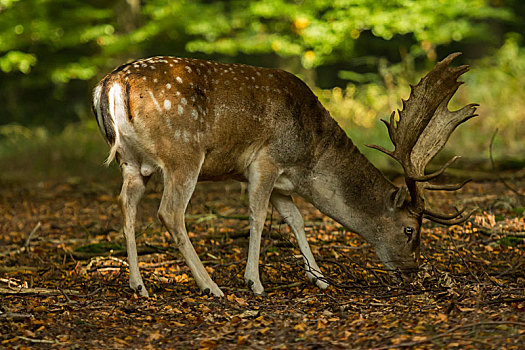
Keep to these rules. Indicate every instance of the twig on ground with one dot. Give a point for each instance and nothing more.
(515, 191)
(43, 341)
(28, 240)
(462, 259)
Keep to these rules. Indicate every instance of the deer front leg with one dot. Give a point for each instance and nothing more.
(178, 188)
(289, 212)
(132, 190)
(261, 179)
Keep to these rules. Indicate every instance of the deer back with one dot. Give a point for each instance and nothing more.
(162, 107)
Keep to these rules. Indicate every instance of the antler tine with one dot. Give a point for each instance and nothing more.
(435, 174)
(453, 221)
(452, 187)
(391, 134)
(430, 213)
(382, 149)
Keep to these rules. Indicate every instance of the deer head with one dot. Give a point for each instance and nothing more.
(424, 125)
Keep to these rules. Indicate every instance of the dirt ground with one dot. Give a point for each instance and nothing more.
(64, 276)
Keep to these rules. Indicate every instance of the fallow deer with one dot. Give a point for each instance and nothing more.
(193, 120)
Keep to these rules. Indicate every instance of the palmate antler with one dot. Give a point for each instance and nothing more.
(425, 124)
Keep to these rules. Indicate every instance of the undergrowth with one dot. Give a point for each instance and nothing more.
(495, 83)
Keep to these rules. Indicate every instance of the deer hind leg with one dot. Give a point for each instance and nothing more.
(287, 209)
(178, 188)
(262, 174)
(133, 188)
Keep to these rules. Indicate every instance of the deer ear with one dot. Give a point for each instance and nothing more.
(399, 196)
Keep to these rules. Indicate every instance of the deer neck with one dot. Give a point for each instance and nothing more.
(344, 185)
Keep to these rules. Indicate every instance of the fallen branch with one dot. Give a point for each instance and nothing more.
(35, 291)
(42, 341)
(14, 316)
(89, 255)
(452, 330)
(286, 286)
(19, 269)
(503, 300)
(515, 191)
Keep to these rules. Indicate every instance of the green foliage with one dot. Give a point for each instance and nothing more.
(37, 153)
(322, 32)
(98, 248)
(16, 60)
(362, 52)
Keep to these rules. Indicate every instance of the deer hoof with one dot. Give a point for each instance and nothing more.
(142, 291)
(256, 287)
(213, 291)
(318, 281)
(321, 284)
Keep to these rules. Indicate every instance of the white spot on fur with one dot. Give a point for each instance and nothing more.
(183, 101)
(179, 80)
(185, 136)
(194, 114)
(155, 80)
(180, 109)
(167, 105)
(177, 134)
(168, 121)
(168, 86)
(143, 78)
(157, 106)
(188, 68)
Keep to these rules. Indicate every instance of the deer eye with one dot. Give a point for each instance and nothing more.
(409, 231)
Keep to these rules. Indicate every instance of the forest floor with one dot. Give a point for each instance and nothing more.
(64, 276)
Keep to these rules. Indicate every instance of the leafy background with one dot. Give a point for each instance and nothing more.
(358, 55)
